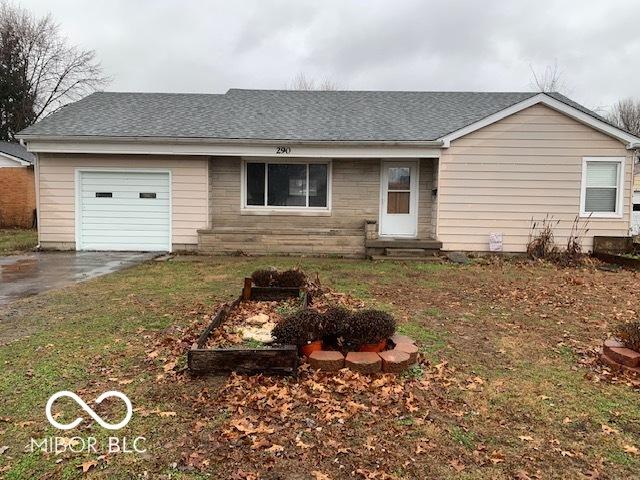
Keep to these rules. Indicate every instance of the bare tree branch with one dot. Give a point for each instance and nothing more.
(39, 71)
(548, 80)
(626, 114)
(302, 82)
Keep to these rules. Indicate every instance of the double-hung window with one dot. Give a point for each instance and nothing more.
(602, 187)
(286, 185)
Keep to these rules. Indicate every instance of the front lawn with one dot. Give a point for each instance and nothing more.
(16, 240)
(506, 390)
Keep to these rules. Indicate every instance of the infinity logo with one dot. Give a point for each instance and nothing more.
(86, 408)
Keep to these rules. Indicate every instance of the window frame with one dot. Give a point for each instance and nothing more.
(619, 212)
(284, 210)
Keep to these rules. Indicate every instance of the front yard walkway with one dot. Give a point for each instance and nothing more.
(507, 390)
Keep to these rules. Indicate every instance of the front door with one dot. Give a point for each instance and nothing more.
(399, 203)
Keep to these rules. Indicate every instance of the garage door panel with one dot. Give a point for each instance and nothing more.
(122, 192)
(120, 219)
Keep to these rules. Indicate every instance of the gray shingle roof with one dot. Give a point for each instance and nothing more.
(279, 115)
(17, 150)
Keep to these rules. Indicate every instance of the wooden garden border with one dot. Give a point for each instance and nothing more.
(282, 360)
(612, 250)
(633, 263)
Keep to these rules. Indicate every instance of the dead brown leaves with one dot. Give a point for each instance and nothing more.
(330, 420)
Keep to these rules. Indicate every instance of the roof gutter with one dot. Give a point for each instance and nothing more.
(227, 141)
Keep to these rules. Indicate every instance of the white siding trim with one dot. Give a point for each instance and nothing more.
(620, 191)
(551, 103)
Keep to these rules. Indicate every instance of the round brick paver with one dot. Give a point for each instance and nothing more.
(394, 361)
(327, 360)
(409, 348)
(624, 356)
(397, 339)
(364, 362)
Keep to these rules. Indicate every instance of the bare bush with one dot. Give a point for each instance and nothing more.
(573, 254)
(541, 244)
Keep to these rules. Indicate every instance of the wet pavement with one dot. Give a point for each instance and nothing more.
(29, 274)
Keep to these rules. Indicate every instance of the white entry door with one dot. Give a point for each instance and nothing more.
(635, 219)
(123, 210)
(399, 205)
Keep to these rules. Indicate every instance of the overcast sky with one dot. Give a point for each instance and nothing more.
(211, 46)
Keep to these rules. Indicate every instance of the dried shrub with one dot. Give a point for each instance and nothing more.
(629, 334)
(335, 319)
(299, 328)
(541, 244)
(365, 327)
(573, 254)
(291, 278)
(263, 278)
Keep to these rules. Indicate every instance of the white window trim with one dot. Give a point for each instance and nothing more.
(284, 210)
(619, 213)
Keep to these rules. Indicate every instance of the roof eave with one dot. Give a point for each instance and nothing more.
(224, 141)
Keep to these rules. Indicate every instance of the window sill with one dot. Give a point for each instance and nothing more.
(595, 216)
(285, 212)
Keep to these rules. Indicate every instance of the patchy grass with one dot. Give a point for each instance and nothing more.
(17, 240)
(501, 395)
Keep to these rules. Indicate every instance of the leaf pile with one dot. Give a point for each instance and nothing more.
(344, 423)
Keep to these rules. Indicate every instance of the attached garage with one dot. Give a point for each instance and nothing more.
(123, 210)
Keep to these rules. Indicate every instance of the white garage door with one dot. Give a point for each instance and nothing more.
(124, 211)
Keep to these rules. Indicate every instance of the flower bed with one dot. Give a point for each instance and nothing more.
(402, 354)
(265, 329)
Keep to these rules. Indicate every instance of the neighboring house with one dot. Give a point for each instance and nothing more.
(260, 171)
(17, 186)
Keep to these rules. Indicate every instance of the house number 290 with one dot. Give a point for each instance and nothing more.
(283, 150)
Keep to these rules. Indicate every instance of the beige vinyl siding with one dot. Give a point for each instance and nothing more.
(525, 166)
(57, 193)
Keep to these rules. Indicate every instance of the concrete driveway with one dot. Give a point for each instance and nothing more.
(26, 275)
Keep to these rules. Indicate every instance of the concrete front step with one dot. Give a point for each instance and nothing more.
(406, 243)
(432, 258)
(408, 252)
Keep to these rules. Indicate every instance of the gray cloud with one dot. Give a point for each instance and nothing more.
(210, 46)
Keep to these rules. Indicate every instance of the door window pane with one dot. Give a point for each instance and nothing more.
(255, 183)
(287, 185)
(399, 178)
(398, 202)
(318, 185)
